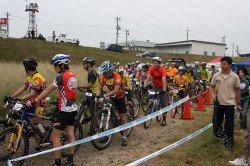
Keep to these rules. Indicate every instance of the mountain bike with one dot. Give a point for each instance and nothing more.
(105, 119)
(153, 106)
(15, 141)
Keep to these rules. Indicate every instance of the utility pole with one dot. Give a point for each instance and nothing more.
(237, 51)
(117, 19)
(232, 49)
(7, 15)
(187, 34)
(223, 40)
(127, 34)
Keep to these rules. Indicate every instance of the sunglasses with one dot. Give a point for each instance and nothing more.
(84, 63)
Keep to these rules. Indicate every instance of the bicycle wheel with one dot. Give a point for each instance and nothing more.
(130, 117)
(174, 111)
(143, 102)
(101, 122)
(8, 140)
(148, 122)
(136, 106)
(78, 136)
(81, 117)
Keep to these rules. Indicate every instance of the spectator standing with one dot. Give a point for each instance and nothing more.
(53, 36)
(225, 89)
(245, 96)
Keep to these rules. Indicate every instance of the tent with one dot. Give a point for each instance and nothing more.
(215, 62)
(243, 63)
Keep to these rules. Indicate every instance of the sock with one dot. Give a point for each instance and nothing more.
(164, 118)
(58, 162)
(70, 158)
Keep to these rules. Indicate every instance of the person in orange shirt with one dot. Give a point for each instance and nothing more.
(172, 70)
(113, 82)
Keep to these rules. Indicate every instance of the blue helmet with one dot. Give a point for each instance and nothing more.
(60, 59)
(105, 67)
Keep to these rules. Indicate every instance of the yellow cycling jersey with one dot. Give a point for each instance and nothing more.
(36, 83)
(126, 82)
(189, 76)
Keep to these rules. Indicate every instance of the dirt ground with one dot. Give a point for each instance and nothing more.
(142, 142)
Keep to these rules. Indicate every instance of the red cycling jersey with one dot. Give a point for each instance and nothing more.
(157, 75)
(67, 87)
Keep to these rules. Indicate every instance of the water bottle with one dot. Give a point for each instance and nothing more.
(41, 129)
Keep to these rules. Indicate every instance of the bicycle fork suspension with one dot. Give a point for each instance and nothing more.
(19, 135)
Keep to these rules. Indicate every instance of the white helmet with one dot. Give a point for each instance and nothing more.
(139, 67)
(181, 68)
(60, 59)
(157, 59)
(120, 70)
(137, 62)
(105, 67)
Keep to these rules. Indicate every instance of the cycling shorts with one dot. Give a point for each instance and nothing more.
(120, 105)
(65, 119)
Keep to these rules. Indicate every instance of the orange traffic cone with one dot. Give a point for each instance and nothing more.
(200, 106)
(207, 97)
(187, 112)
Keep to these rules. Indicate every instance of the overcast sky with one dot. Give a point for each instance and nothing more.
(160, 21)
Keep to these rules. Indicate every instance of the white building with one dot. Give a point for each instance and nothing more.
(192, 47)
(135, 45)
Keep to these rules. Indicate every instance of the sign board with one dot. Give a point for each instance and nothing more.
(3, 21)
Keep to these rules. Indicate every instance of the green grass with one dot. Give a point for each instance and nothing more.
(15, 50)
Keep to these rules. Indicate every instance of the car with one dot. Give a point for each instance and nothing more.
(178, 61)
(149, 54)
(114, 47)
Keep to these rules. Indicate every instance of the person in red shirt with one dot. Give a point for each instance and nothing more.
(66, 83)
(158, 74)
(113, 82)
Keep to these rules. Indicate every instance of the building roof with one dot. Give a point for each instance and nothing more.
(138, 43)
(188, 42)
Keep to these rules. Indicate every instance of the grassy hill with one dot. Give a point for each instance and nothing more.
(15, 50)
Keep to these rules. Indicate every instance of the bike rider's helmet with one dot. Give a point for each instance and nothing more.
(203, 63)
(129, 64)
(89, 60)
(197, 63)
(146, 66)
(188, 66)
(139, 67)
(120, 71)
(118, 63)
(30, 64)
(106, 67)
(157, 59)
(137, 62)
(60, 59)
(192, 65)
(133, 63)
(182, 68)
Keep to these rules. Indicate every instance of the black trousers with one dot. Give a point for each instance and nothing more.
(226, 111)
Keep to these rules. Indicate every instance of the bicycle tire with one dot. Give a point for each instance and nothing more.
(175, 109)
(130, 117)
(11, 153)
(94, 129)
(143, 102)
(147, 123)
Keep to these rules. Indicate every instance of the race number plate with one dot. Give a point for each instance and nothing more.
(88, 94)
(17, 107)
(176, 91)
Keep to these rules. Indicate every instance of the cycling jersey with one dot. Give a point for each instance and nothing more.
(157, 75)
(94, 79)
(67, 87)
(205, 75)
(111, 82)
(143, 76)
(172, 71)
(126, 82)
(180, 80)
(189, 76)
(36, 83)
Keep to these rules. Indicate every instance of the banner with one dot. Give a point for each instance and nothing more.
(3, 21)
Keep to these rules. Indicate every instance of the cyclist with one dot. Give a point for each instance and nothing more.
(180, 81)
(93, 83)
(196, 70)
(204, 75)
(144, 72)
(190, 77)
(126, 84)
(172, 70)
(158, 74)
(66, 83)
(34, 84)
(113, 81)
